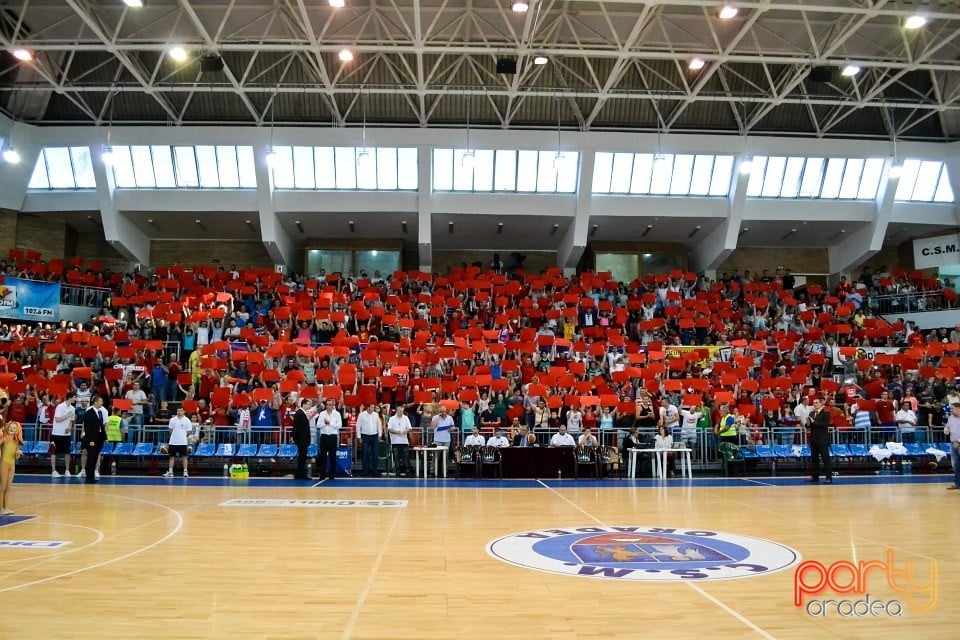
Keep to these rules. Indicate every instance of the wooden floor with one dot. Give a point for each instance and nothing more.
(167, 561)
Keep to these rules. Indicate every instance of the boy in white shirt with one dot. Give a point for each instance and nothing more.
(474, 439)
(497, 439)
(180, 429)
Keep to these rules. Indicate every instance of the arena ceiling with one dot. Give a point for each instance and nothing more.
(775, 67)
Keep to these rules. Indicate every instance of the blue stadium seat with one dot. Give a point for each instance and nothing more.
(839, 451)
(859, 451)
(123, 449)
(225, 450)
(247, 451)
(267, 451)
(205, 450)
(143, 449)
(944, 446)
(40, 448)
(765, 451)
(287, 451)
(107, 448)
(312, 451)
(916, 449)
(748, 454)
(805, 451)
(75, 447)
(784, 451)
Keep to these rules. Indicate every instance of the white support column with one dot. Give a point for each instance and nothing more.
(15, 177)
(574, 241)
(275, 239)
(425, 207)
(118, 230)
(860, 245)
(710, 252)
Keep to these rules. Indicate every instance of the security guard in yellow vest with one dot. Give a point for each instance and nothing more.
(115, 426)
(727, 426)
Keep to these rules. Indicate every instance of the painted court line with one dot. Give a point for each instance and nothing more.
(362, 598)
(135, 552)
(766, 484)
(318, 484)
(696, 588)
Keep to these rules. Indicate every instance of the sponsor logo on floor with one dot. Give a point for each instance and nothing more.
(643, 553)
(344, 504)
(917, 592)
(33, 544)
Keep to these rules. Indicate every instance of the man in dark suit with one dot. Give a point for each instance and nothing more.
(94, 435)
(301, 437)
(820, 422)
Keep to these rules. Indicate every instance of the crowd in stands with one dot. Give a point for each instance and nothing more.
(496, 348)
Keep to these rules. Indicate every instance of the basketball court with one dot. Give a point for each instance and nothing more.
(212, 558)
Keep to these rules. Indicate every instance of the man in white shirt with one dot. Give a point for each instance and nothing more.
(139, 399)
(329, 423)
(180, 429)
(688, 428)
(562, 438)
(63, 419)
(574, 420)
(474, 439)
(369, 428)
(907, 423)
(803, 412)
(398, 426)
(498, 439)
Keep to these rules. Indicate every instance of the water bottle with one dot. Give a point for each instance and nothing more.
(907, 467)
(559, 474)
(226, 471)
(309, 469)
(113, 468)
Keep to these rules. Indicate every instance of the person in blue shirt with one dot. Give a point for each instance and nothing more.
(261, 421)
(158, 381)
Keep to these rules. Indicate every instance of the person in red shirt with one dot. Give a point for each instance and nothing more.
(886, 409)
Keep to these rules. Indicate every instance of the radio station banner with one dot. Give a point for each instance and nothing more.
(30, 300)
(715, 353)
(938, 251)
(865, 353)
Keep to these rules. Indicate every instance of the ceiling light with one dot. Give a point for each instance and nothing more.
(726, 12)
(345, 55)
(520, 6)
(107, 155)
(11, 156)
(746, 165)
(178, 54)
(23, 55)
(468, 160)
(696, 64)
(850, 70)
(337, 4)
(539, 59)
(914, 22)
(363, 157)
(559, 159)
(136, 4)
(271, 157)
(895, 171)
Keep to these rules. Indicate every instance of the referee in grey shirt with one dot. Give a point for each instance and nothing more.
(953, 434)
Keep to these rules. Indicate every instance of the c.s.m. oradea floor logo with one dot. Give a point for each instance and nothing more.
(643, 553)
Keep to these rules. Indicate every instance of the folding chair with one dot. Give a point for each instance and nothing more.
(490, 457)
(610, 460)
(585, 457)
(468, 457)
